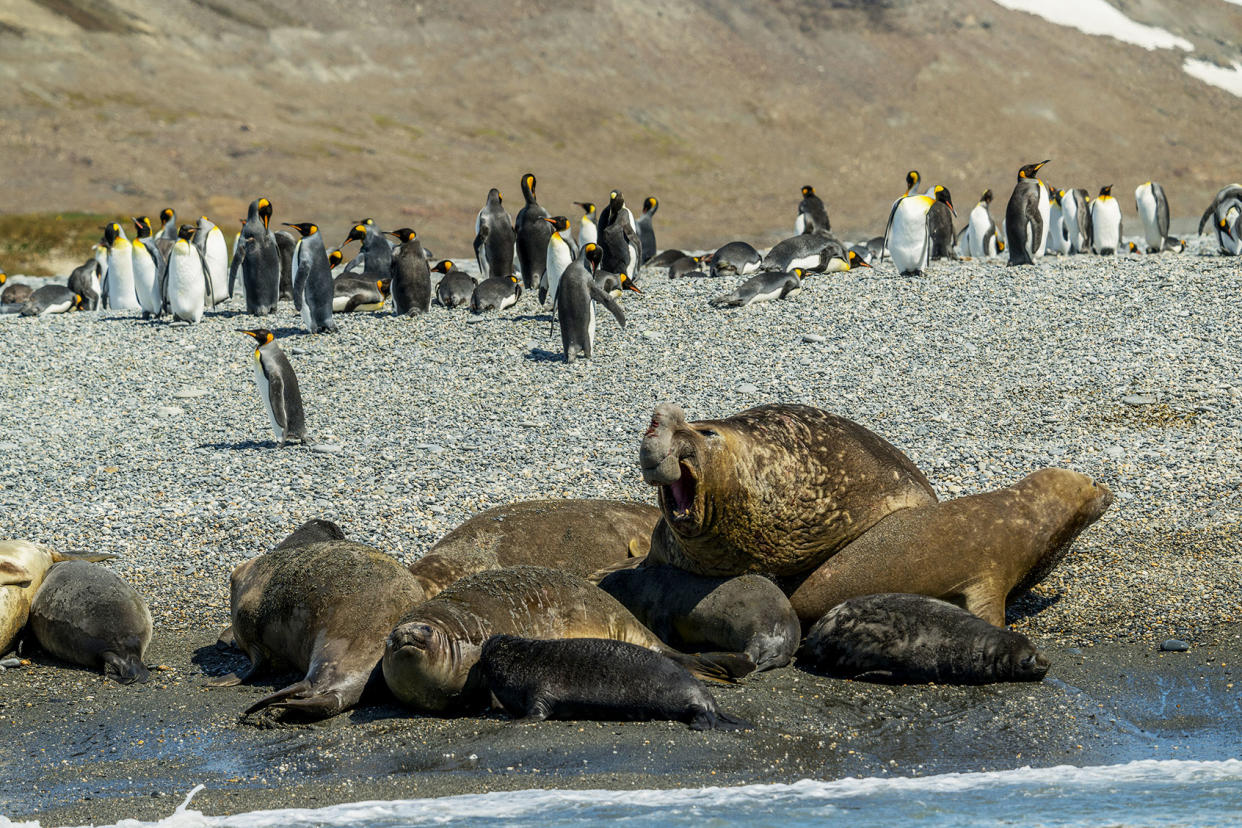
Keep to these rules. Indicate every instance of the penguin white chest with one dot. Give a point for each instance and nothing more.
(558, 258)
(587, 232)
(265, 393)
(1058, 242)
(908, 242)
(1145, 200)
(1106, 224)
(980, 223)
(216, 261)
(121, 295)
(145, 278)
(1045, 208)
(186, 289)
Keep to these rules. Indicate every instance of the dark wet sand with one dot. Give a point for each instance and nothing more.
(78, 750)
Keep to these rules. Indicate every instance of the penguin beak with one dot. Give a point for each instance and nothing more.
(628, 285)
(951, 210)
(550, 221)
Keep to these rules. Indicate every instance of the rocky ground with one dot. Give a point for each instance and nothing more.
(148, 441)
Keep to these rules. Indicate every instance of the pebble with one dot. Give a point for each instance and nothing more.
(190, 393)
(10, 663)
(747, 388)
(813, 338)
(169, 411)
(327, 448)
(1138, 399)
(1174, 645)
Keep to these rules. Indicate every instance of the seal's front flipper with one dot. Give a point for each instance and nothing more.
(725, 668)
(704, 719)
(234, 678)
(323, 706)
(300, 688)
(125, 669)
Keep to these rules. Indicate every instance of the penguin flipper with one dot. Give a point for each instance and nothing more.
(1207, 214)
(239, 253)
(889, 226)
(275, 391)
(607, 301)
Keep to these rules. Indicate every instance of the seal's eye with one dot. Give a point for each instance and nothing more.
(707, 432)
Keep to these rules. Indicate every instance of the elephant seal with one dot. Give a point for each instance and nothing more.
(86, 614)
(593, 678)
(431, 659)
(913, 639)
(578, 536)
(775, 489)
(23, 566)
(747, 614)
(974, 551)
(312, 531)
(322, 609)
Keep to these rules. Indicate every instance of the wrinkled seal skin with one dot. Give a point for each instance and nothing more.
(914, 639)
(87, 614)
(431, 659)
(975, 551)
(776, 489)
(578, 536)
(23, 566)
(322, 609)
(593, 678)
(747, 614)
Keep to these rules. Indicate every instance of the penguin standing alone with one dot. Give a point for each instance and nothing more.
(184, 291)
(1024, 223)
(1153, 210)
(411, 278)
(278, 387)
(494, 238)
(532, 234)
(575, 304)
(1105, 223)
(812, 214)
(646, 229)
(314, 276)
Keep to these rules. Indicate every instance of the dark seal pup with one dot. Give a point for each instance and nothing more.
(913, 639)
(594, 678)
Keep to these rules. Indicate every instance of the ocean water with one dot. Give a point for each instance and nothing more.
(1187, 794)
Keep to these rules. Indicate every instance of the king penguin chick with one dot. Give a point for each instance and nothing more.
(763, 287)
(312, 276)
(494, 238)
(411, 277)
(1105, 223)
(575, 304)
(1153, 210)
(588, 231)
(1024, 223)
(559, 253)
(278, 387)
(646, 229)
(812, 213)
(940, 224)
(185, 285)
(17, 294)
(456, 285)
(532, 235)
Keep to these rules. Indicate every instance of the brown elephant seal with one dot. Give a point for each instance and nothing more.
(23, 566)
(593, 678)
(913, 639)
(312, 531)
(747, 614)
(775, 489)
(323, 610)
(431, 659)
(86, 614)
(578, 536)
(974, 551)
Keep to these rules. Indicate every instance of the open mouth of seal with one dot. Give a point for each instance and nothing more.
(680, 498)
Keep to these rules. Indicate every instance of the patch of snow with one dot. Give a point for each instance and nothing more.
(1097, 17)
(1228, 79)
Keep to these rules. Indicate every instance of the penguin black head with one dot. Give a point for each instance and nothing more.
(369, 222)
(306, 228)
(528, 183)
(356, 233)
(808, 190)
(587, 207)
(799, 272)
(405, 234)
(912, 180)
(1133, 247)
(186, 232)
(592, 253)
(444, 266)
(942, 195)
(265, 211)
(627, 284)
(650, 204)
(856, 260)
(1031, 170)
(494, 193)
(1106, 191)
(112, 232)
(79, 302)
(384, 285)
(142, 225)
(615, 200)
(335, 257)
(986, 198)
(166, 215)
(560, 224)
(262, 336)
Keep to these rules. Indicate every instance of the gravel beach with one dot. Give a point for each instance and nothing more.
(149, 441)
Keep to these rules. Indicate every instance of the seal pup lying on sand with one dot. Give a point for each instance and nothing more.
(914, 639)
(594, 678)
(23, 566)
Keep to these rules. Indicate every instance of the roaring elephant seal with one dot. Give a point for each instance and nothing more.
(578, 536)
(23, 566)
(322, 609)
(593, 678)
(86, 614)
(776, 489)
(974, 551)
(431, 660)
(914, 639)
(747, 614)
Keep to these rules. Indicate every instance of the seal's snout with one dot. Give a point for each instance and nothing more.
(417, 636)
(1035, 665)
(656, 457)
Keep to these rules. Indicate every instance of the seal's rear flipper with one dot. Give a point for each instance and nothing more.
(125, 669)
(706, 720)
(725, 668)
(295, 689)
(632, 562)
(315, 707)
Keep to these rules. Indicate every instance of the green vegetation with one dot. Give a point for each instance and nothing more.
(28, 242)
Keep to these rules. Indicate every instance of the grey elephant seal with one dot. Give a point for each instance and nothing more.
(323, 610)
(746, 614)
(593, 678)
(776, 489)
(974, 551)
(87, 614)
(431, 659)
(578, 536)
(23, 566)
(914, 639)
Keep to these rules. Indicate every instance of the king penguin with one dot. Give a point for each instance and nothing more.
(618, 237)
(763, 287)
(912, 182)
(980, 239)
(411, 277)
(148, 270)
(907, 236)
(1077, 217)
(50, 299)
(168, 225)
(83, 282)
(940, 224)
(575, 304)
(1224, 212)
(812, 213)
(185, 284)
(456, 286)
(1058, 243)
(494, 239)
(1153, 210)
(532, 234)
(260, 260)
(646, 229)
(1024, 220)
(560, 252)
(588, 231)
(278, 387)
(1105, 223)
(496, 293)
(209, 240)
(312, 272)
(121, 294)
